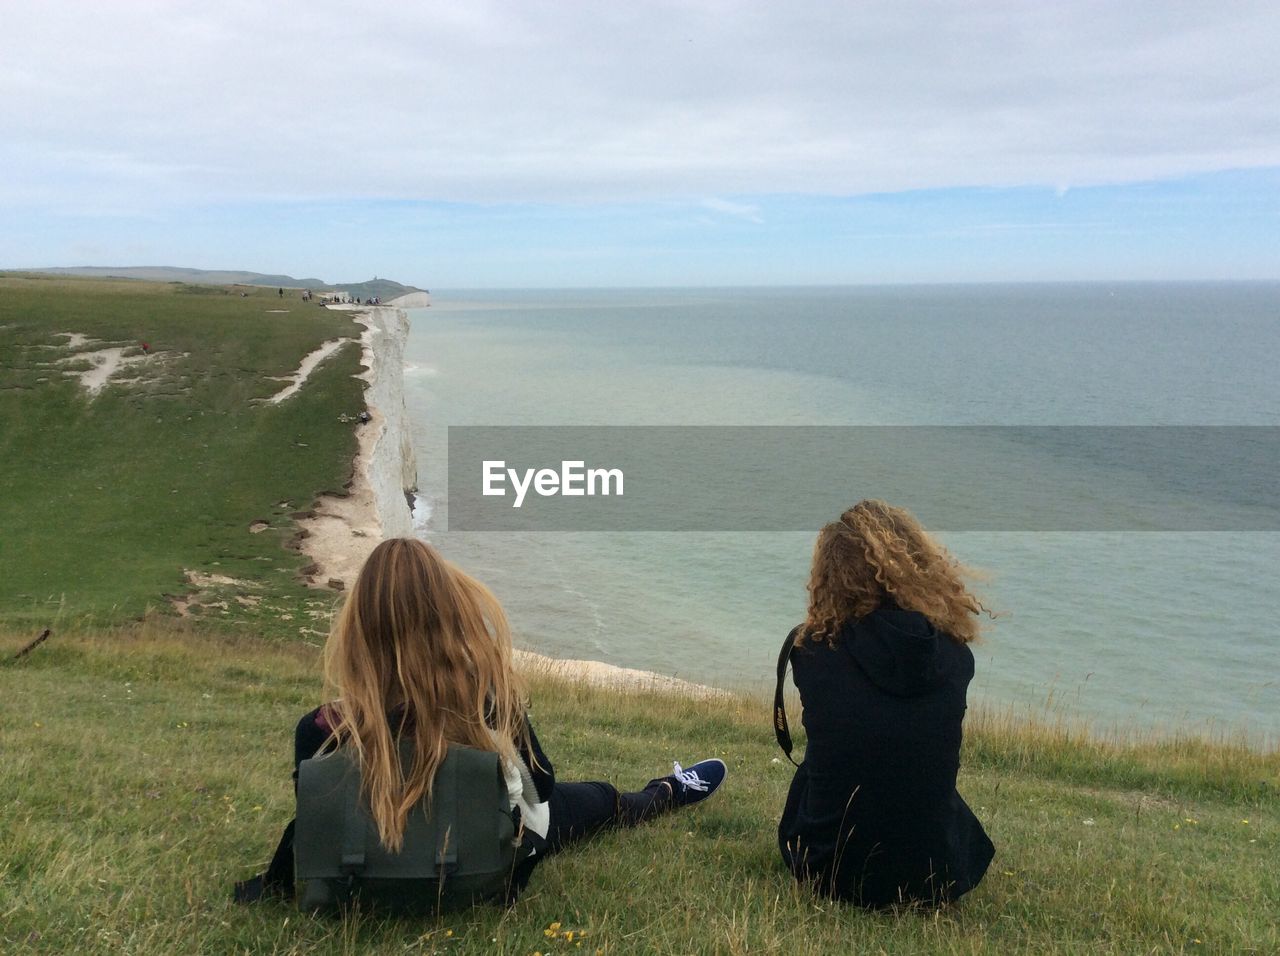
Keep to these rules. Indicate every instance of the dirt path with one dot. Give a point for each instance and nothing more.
(309, 363)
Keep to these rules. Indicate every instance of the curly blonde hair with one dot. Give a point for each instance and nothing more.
(875, 555)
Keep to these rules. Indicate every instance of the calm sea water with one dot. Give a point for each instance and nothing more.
(1135, 629)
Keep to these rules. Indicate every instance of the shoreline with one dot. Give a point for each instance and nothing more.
(340, 530)
(605, 675)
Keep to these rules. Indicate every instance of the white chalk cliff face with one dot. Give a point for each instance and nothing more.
(343, 530)
(391, 465)
(412, 300)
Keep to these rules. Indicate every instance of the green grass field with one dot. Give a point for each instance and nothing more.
(145, 759)
(148, 768)
(105, 502)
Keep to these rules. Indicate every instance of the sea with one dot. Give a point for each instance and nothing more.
(1124, 629)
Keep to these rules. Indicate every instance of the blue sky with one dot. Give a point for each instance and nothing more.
(649, 144)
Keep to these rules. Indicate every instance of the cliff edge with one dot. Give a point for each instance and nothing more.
(343, 529)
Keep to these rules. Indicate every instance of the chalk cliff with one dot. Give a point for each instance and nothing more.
(342, 530)
(391, 466)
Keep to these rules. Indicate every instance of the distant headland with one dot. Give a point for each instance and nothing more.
(382, 288)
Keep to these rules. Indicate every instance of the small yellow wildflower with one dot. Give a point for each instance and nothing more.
(1177, 826)
(549, 933)
(553, 926)
(448, 933)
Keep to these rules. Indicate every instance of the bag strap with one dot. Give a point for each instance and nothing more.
(444, 813)
(780, 728)
(355, 829)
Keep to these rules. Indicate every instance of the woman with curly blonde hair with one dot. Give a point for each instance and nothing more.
(882, 664)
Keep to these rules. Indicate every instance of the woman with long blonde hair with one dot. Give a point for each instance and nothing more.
(882, 663)
(421, 652)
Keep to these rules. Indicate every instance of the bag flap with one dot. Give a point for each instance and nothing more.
(466, 827)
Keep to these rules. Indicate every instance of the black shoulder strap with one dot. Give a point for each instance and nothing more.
(780, 728)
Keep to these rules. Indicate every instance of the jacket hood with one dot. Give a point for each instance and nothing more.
(901, 652)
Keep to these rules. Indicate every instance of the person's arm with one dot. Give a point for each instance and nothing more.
(544, 775)
(310, 736)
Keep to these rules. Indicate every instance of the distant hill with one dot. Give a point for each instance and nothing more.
(384, 288)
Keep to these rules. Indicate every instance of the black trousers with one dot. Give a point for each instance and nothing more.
(580, 809)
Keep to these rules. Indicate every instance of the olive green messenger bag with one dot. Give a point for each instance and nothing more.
(461, 844)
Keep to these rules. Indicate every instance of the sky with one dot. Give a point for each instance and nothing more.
(567, 143)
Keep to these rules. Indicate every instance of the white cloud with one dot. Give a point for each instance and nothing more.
(740, 210)
(150, 102)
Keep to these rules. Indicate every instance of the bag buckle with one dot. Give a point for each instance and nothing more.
(352, 865)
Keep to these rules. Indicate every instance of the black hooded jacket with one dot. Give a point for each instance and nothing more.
(873, 815)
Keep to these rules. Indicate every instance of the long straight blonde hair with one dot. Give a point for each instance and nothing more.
(420, 651)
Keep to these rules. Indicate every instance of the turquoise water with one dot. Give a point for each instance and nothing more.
(1128, 628)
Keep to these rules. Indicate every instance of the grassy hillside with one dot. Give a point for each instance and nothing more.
(147, 769)
(106, 500)
(176, 274)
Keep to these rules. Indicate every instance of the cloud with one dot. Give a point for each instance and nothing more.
(169, 103)
(747, 211)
